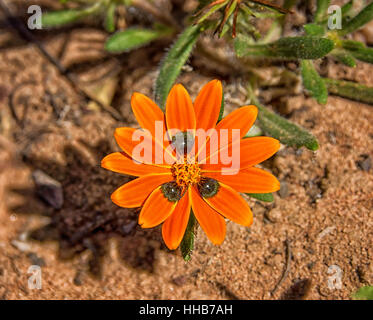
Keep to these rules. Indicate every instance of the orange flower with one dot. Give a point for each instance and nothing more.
(168, 191)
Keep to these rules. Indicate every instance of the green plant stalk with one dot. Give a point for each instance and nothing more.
(350, 90)
(211, 11)
(187, 243)
(174, 61)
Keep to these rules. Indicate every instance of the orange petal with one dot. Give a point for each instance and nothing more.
(134, 193)
(146, 112)
(257, 149)
(173, 228)
(231, 205)
(252, 151)
(211, 222)
(207, 105)
(179, 110)
(122, 163)
(241, 119)
(132, 140)
(157, 208)
(250, 180)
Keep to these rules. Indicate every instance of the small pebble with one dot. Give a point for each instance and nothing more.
(284, 190)
(364, 163)
(49, 189)
(21, 246)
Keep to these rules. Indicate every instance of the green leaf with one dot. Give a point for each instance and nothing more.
(344, 57)
(187, 244)
(265, 197)
(62, 17)
(322, 10)
(359, 51)
(130, 39)
(174, 61)
(352, 45)
(110, 17)
(364, 293)
(347, 7)
(364, 16)
(350, 90)
(221, 112)
(314, 29)
(280, 128)
(308, 47)
(313, 82)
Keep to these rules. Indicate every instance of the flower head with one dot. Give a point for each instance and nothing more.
(187, 170)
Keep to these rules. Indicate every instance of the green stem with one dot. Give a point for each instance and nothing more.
(187, 244)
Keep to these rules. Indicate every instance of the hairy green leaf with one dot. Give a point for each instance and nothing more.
(313, 82)
(280, 128)
(265, 197)
(130, 39)
(364, 293)
(350, 90)
(364, 16)
(173, 62)
(359, 51)
(62, 17)
(314, 29)
(344, 57)
(322, 10)
(187, 244)
(286, 48)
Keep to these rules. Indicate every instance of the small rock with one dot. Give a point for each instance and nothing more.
(332, 137)
(129, 227)
(21, 246)
(284, 190)
(48, 189)
(35, 259)
(364, 163)
(179, 281)
(78, 278)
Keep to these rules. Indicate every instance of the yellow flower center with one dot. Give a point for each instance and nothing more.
(186, 173)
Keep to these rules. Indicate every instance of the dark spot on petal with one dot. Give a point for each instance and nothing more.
(208, 187)
(171, 191)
